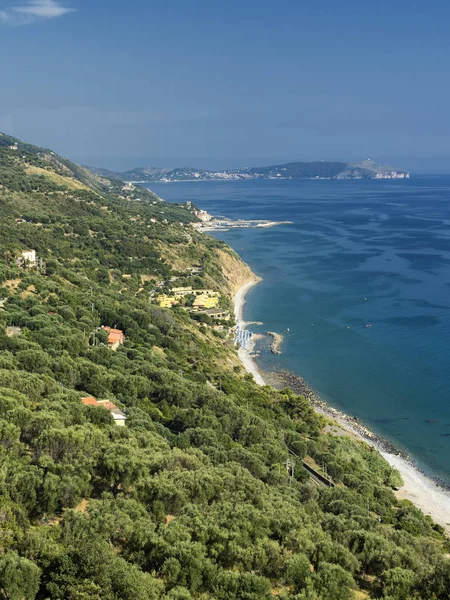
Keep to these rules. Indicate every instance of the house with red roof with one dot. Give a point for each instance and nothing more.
(118, 416)
(116, 337)
(89, 401)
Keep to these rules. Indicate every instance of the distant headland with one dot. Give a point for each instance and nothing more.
(367, 169)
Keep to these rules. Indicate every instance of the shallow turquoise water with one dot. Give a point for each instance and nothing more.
(362, 280)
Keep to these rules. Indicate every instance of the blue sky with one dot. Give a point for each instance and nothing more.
(219, 84)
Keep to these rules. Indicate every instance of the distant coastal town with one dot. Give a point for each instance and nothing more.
(294, 171)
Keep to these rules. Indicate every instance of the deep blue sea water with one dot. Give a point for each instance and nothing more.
(362, 280)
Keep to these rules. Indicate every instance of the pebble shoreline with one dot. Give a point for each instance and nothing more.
(284, 378)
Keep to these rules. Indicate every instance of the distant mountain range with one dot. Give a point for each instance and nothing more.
(366, 169)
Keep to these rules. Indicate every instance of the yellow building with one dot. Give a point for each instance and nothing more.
(204, 301)
(211, 302)
(166, 301)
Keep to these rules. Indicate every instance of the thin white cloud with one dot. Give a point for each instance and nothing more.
(34, 10)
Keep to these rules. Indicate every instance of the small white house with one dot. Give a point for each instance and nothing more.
(119, 417)
(28, 258)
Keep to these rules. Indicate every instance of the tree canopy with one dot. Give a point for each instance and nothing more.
(192, 498)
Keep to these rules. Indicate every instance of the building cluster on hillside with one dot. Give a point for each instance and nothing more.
(118, 416)
(203, 298)
(196, 301)
(199, 302)
(205, 301)
(190, 272)
(202, 215)
(186, 291)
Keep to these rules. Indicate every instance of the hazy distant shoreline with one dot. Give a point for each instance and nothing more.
(291, 171)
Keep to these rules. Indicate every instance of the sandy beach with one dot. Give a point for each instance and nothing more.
(422, 491)
(425, 493)
(244, 355)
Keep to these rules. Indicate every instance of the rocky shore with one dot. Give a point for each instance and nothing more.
(284, 378)
(276, 343)
(280, 379)
(208, 223)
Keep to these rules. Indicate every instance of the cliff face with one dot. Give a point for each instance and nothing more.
(368, 169)
(236, 272)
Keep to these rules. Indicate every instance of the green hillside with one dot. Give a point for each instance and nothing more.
(191, 499)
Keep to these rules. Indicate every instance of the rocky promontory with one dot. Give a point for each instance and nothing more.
(276, 343)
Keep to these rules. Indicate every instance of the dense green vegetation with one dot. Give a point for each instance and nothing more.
(192, 498)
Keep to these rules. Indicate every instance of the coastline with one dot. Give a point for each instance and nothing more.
(244, 355)
(421, 490)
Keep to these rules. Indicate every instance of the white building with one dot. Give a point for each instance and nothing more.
(28, 258)
(118, 416)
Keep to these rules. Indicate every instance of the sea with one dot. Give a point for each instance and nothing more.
(359, 285)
